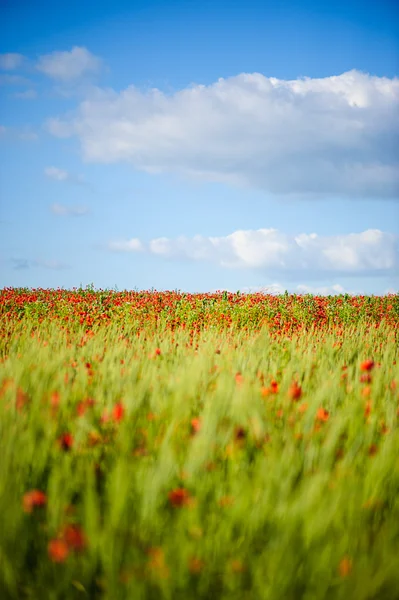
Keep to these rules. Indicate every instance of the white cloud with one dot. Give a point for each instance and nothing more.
(133, 245)
(11, 61)
(68, 66)
(68, 211)
(57, 174)
(272, 250)
(337, 135)
(272, 288)
(26, 95)
(62, 175)
(277, 289)
(324, 290)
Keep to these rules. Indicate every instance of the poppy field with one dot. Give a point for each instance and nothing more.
(161, 445)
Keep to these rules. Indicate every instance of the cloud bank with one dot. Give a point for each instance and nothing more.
(271, 250)
(277, 288)
(307, 137)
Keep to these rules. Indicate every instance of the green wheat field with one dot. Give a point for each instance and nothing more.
(165, 446)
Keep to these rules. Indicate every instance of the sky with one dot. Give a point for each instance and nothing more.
(200, 146)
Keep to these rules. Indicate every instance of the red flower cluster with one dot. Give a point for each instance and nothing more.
(281, 314)
(70, 539)
(117, 413)
(34, 499)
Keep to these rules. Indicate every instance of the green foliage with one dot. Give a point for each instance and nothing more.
(192, 468)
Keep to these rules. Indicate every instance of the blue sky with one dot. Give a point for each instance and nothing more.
(200, 146)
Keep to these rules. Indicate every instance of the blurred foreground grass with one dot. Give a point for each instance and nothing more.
(231, 465)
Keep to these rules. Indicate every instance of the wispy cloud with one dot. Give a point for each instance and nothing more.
(57, 174)
(11, 61)
(307, 137)
(16, 80)
(70, 65)
(13, 133)
(26, 95)
(61, 175)
(27, 135)
(20, 264)
(271, 250)
(68, 211)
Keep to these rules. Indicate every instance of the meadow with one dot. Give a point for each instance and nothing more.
(161, 445)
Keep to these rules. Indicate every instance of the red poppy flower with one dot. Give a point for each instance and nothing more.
(118, 412)
(74, 537)
(179, 497)
(366, 378)
(58, 550)
(295, 391)
(322, 415)
(345, 567)
(367, 409)
(384, 428)
(33, 499)
(373, 449)
(367, 365)
(66, 441)
(195, 425)
(240, 433)
(239, 378)
(366, 391)
(55, 399)
(274, 386)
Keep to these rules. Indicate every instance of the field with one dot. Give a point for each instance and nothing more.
(217, 446)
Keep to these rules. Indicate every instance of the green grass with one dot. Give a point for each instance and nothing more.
(281, 505)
